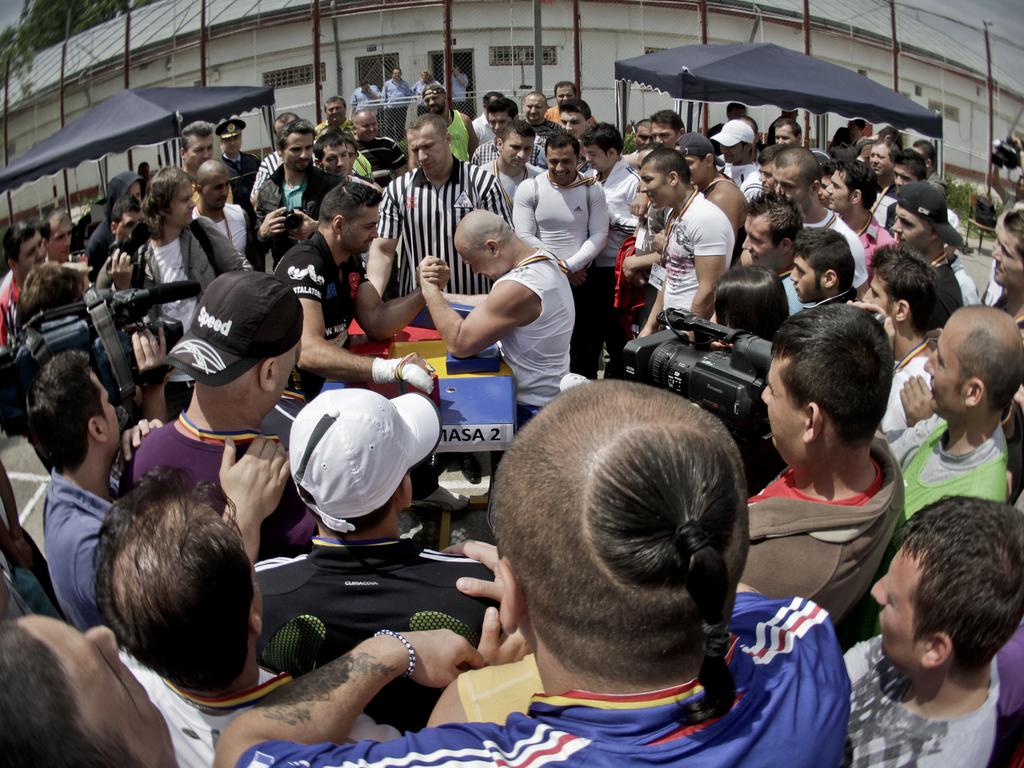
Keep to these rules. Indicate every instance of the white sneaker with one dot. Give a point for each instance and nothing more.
(445, 499)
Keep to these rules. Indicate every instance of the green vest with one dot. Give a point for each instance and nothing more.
(460, 137)
(987, 481)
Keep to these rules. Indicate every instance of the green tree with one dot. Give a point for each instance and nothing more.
(42, 24)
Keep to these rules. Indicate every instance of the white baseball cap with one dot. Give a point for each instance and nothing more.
(350, 448)
(734, 132)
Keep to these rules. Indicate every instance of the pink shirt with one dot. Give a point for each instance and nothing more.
(872, 238)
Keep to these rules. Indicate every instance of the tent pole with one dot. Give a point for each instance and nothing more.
(449, 55)
(577, 51)
(127, 59)
(316, 60)
(7, 146)
(895, 48)
(991, 117)
(807, 52)
(63, 62)
(202, 43)
(703, 12)
(538, 49)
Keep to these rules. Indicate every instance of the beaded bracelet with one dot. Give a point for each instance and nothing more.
(408, 647)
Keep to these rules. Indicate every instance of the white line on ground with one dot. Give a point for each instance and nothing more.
(28, 477)
(27, 509)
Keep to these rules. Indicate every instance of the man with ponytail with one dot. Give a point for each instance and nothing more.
(620, 567)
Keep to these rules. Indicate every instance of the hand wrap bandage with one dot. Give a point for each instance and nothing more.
(403, 369)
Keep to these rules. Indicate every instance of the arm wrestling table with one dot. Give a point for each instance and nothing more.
(478, 410)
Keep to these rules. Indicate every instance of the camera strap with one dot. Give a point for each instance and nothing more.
(37, 346)
(103, 322)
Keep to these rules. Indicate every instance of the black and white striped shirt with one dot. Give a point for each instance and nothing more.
(425, 218)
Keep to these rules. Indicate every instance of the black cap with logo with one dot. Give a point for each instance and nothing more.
(243, 318)
(927, 202)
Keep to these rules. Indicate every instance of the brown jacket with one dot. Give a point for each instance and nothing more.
(828, 553)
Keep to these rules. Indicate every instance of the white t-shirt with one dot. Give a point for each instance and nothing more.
(168, 259)
(570, 222)
(194, 731)
(510, 184)
(703, 232)
(883, 732)
(482, 129)
(747, 178)
(860, 267)
(620, 188)
(895, 417)
(538, 353)
(232, 226)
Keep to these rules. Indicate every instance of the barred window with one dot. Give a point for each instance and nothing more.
(292, 76)
(948, 111)
(515, 55)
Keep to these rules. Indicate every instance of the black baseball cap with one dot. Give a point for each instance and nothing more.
(695, 145)
(243, 318)
(927, 201)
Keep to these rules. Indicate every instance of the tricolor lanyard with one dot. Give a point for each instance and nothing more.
(916, 351)
(218, 438)
(501, 186)
(537, 257)
(675, 217)
(580, 181)
(879, 200)
(828, 224)
(787, 273)
(222, 705)
(864, 229)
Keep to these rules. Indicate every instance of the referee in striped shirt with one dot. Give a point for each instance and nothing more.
(424, 206)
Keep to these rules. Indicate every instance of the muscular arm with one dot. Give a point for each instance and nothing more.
(709, 269)
(474, 141)
(320, 706)
(524, 214)
(651, 326)
(597, 233)
(731, 202)
(508, 306)
(323, 358)
(383, 319)
(378, 265)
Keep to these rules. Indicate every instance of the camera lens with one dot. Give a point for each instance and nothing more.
(292, 221)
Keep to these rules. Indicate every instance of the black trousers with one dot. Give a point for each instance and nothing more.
(596, 326)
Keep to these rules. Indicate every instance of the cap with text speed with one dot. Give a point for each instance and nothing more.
(735, 132)
(243, 318)
(350, 448)
(927, 201)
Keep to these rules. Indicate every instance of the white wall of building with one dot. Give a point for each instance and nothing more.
(611, 31)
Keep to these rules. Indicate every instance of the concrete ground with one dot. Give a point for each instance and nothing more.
(29, 477)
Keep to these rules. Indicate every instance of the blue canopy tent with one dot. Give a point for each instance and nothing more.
(132, 118)
(758, 74)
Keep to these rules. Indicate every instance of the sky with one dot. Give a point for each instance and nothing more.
(9, 11)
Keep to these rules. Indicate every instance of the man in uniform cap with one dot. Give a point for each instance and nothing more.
(241, 165)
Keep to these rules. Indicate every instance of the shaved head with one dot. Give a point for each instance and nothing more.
(807, 164)
(480, 226)
(210, 172)
(990, 349)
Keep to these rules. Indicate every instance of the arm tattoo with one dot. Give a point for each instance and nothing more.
(291, 703)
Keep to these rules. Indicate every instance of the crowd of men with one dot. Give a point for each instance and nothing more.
(225, 582)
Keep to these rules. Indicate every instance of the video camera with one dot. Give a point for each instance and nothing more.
(1006, 153)
(99, 324)
(728, 383)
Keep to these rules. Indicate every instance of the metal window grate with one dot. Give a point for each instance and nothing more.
(289, 77)
(517, 55)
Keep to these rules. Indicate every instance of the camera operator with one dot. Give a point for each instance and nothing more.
(821, 528)
(126, 214)
(181, 249)
(288, 204)
(77, 431)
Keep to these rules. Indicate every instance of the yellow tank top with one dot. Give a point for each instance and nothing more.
(460, 137)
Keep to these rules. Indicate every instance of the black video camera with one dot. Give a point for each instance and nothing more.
(100, 324)
(728, 383)
(1006, 154)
